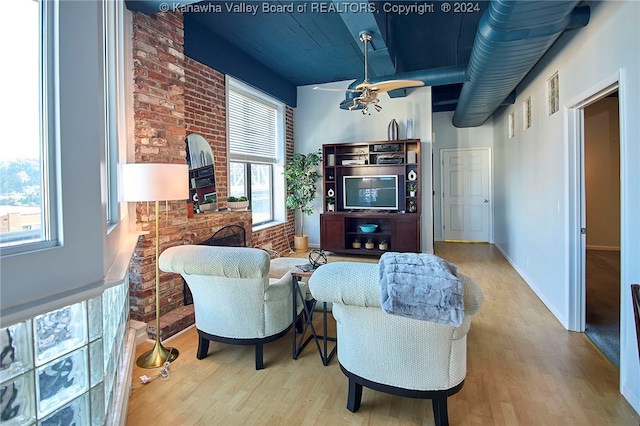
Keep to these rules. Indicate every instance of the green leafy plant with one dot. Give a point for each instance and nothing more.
(301, 175)
(413, 186)
(233, 199)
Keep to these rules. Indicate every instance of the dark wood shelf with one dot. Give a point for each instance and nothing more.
(401, 228)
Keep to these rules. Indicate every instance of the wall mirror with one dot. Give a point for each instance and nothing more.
(202, 177)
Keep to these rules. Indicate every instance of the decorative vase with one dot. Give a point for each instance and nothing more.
(383, 245)
(356, 244)
(409, 128)
(412, 175)
(392, 130)
(369, 245)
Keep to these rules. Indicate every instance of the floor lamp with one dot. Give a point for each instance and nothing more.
(155, 182)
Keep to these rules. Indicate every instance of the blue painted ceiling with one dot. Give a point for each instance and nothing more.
(294, 43)
(313, 47)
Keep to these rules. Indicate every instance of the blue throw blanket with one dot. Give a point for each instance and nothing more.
(421, 286)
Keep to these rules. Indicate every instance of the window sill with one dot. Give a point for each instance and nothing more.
(267, 225)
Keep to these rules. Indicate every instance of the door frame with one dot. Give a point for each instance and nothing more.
(442, 180)
(576, 194)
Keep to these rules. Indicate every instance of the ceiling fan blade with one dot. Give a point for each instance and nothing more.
(385, 86)
(327, 89)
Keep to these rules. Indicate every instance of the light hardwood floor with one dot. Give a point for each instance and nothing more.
(524, 368)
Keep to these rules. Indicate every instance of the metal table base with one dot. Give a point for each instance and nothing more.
(299, 340)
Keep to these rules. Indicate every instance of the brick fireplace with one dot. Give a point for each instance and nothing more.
(175, 96)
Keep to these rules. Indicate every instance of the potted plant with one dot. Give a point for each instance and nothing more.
(237, 203)
(301, 175)
(331, 202)
(206, 205)
(412, 187)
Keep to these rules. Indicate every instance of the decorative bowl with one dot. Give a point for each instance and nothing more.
(368, 228)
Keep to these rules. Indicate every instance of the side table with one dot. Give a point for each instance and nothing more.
(308, 307)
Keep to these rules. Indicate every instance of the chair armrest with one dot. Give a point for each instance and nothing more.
(231, 262)
(473, 296)
(281, 265)
(354, 283)
(347, 283)
(279, 289)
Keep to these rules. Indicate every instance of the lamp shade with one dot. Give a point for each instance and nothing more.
(155, 182)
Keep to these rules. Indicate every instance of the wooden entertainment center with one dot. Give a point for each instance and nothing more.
(397, 217)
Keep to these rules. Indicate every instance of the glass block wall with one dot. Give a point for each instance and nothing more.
(60, 368)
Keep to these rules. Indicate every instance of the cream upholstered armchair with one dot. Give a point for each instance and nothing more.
(390, 353)
(234, 299)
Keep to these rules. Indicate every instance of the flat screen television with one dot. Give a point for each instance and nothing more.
(379, 192)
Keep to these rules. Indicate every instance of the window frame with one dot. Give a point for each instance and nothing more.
(47, 93)
(88, 255)
(277, 185)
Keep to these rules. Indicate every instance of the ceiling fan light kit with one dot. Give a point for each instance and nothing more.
(365, 94)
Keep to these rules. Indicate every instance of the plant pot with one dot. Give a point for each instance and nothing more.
(207, 207)
(412, 193)
(237, 205)
(330, 207)
(301, 243)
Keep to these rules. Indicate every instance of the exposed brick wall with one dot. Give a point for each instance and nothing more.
(159, 132)
(173, 97)
(206, 114)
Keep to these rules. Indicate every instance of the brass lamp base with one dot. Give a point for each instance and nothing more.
(157, 356)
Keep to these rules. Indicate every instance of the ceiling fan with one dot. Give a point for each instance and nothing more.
(367, 92)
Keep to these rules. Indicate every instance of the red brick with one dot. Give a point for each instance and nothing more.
(167, 107)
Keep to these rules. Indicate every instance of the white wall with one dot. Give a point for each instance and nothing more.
(532, 171)
(319, 120)
(446, 136)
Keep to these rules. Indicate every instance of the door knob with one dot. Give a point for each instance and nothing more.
(486, 201)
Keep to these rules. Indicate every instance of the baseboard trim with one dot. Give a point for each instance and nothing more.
(140, 329)
(122, 390)
(168, 339)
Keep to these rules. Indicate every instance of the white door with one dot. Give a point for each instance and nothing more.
(466, 185)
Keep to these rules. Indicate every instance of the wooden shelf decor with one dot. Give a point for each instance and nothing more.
(371, 183)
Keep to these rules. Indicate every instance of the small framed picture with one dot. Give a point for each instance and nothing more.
(212, 197)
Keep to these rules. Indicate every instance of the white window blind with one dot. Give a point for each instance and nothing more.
(252, 128)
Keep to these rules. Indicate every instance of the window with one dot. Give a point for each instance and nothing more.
(554, 94)
(26, 162)
(113, 105)
(256, 143)
(526, 113)
(512, 125)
